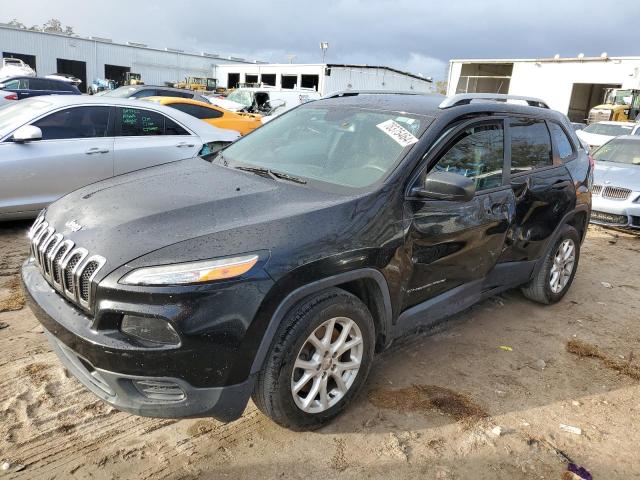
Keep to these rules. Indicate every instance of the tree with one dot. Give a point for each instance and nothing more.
(441, 87)
(54, 25)
(16, 23)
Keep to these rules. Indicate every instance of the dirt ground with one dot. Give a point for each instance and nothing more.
(483, 396)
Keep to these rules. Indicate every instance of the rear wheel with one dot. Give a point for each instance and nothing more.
(555, 277)
(318, 362)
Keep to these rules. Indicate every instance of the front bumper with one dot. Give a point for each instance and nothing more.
(85, 352)
(616, 213)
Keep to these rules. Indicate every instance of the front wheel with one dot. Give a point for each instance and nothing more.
(555, 277)
(318, 362)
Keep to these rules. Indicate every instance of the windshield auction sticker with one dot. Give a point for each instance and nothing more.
(401, 135)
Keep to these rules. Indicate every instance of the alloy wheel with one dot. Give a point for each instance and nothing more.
(327, 365)
(563, 263)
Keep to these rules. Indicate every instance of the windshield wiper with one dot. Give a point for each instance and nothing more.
(266, 172)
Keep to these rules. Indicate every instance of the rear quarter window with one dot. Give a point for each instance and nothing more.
(563, 144)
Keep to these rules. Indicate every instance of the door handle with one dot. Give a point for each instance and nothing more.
(520, 188)
(94, 150)
(185, 144)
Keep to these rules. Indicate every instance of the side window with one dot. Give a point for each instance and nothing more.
(197, 111)
(39, 84)
(173, 93)
(530, 145)
(478, 153)
(565, 150)
(15, 84)
(135, 122)
(77, 122)
(172, 128)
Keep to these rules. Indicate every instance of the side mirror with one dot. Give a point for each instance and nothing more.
(28, 133)
(446, 186)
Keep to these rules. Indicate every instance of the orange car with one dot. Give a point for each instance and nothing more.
(242, 123)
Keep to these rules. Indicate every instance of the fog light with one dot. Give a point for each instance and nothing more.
(160, 390)
(150, 329)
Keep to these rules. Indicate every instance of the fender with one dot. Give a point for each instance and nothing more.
(298, 294)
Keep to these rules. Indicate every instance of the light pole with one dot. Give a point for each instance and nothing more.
(324, 46)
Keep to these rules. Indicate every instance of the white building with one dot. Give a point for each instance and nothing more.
(93, 57)
(569, 85)
(325, 78)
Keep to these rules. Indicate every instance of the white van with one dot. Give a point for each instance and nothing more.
(267, 101)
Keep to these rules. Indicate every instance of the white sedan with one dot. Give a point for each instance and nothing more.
(52, 145)
(597, 134)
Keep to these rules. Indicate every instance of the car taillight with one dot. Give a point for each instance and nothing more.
(11, 96)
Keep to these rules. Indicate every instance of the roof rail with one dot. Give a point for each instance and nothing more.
(353, 93)
(467, 98)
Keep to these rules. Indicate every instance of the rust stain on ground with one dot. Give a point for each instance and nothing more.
(588, 350)
(429, 397)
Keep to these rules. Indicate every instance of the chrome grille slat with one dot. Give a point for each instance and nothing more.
(616, 193)
(67, 268)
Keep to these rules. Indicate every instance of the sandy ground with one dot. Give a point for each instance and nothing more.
(446, 404)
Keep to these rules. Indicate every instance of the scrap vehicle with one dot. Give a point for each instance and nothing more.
(65, 77)
(596, 134)
(14, 67)
(242, 123)
(268, 101)
(52, 145)
(101, 85)
(277, 268)
(143, 91)
(28, 87)
(616, 183)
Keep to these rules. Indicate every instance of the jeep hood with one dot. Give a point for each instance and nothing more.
(132, 215)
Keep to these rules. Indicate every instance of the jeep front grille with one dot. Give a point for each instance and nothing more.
(69, 269)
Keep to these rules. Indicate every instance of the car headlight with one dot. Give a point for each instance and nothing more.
(193, 272)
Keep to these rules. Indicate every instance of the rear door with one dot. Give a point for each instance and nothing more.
(146, 137)
(453, 243)
(542, 185)
(76, 149)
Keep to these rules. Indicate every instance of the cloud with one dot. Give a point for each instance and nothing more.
(416, 35)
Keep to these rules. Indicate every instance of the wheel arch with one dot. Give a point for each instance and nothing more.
(368, 284)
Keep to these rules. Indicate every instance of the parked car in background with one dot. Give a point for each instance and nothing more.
(268, 101)
(52, 145)
(65, 77)
(616, 184)
(27, 87)
(14, 67)
(142, 91)
(279, 268)
(242, 123)
(101, 85)
(597, 134)
(223, 102)
(578, 126)
(7, 97)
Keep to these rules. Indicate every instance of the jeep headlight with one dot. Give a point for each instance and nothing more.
(192, 272)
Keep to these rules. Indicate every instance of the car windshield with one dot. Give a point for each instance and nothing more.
(609, 129)
(121, 92)
(619, 151)
(242, 97)
(18, 113)
(344, 146)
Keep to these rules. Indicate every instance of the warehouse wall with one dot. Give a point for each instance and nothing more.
(156, 66)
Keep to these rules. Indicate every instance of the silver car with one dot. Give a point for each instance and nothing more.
(616, 185)
(52, 145)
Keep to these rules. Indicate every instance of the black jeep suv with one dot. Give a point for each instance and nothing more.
(276, 268)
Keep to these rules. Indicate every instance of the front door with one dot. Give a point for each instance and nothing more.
(453, 243)
(542, 186)
(75, 150)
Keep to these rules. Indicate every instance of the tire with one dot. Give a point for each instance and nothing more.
(274, 390)
(542, 288)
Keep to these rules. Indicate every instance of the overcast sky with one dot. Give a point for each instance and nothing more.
(413, 35)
